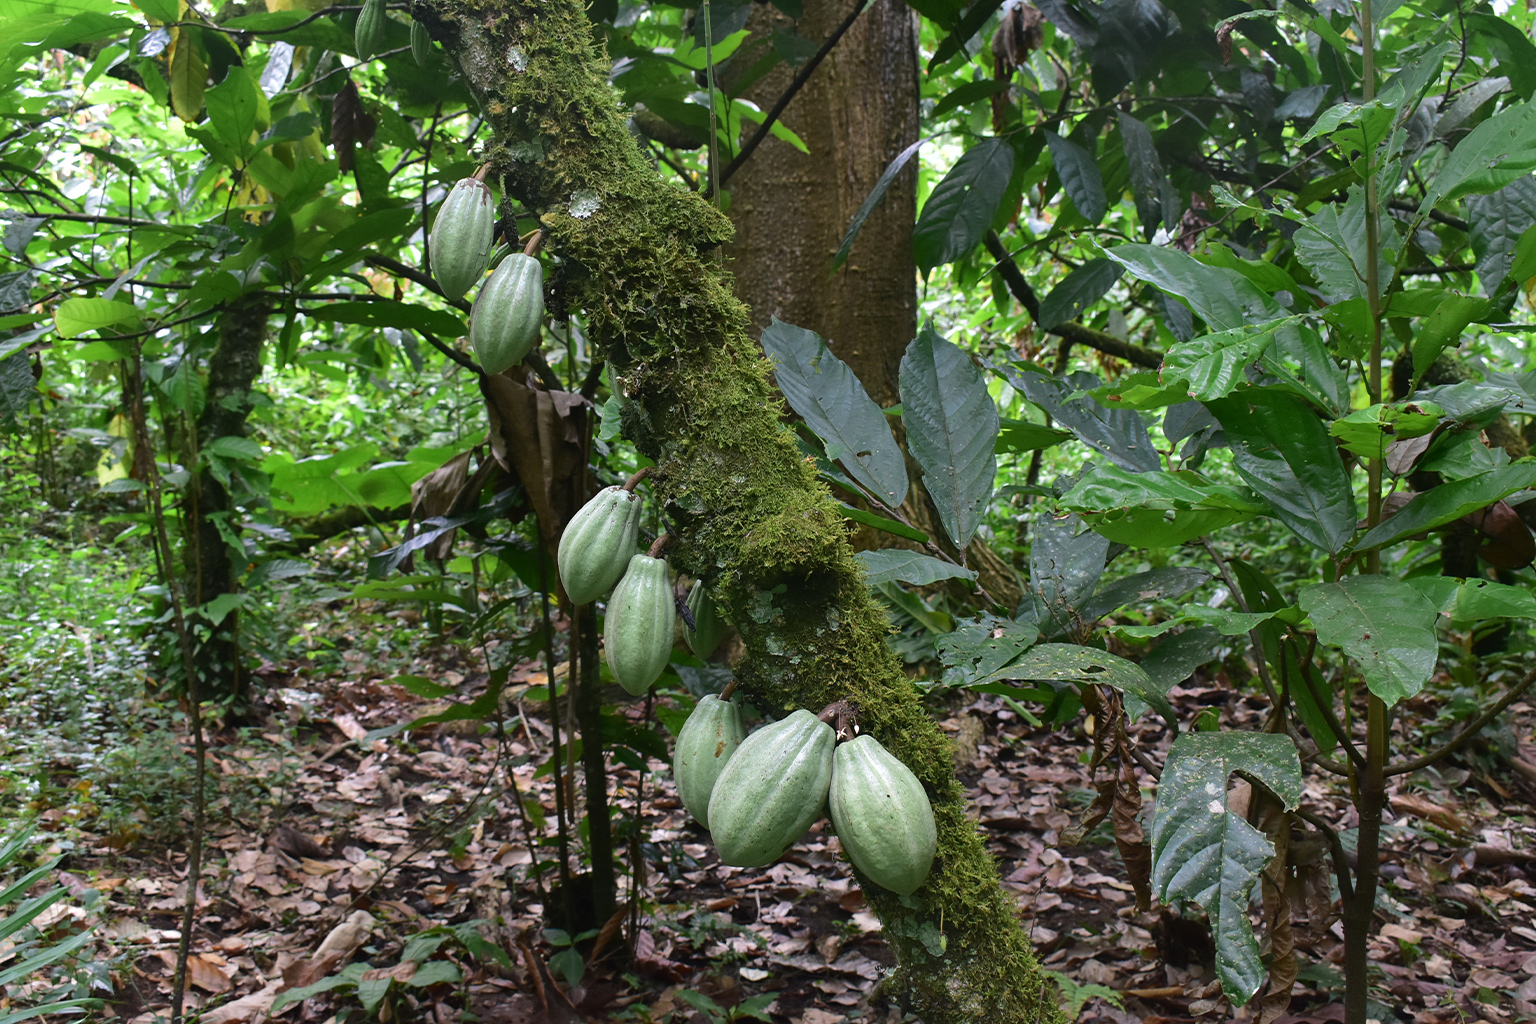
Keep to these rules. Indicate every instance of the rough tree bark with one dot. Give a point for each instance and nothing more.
(790, 209)
(640, 257)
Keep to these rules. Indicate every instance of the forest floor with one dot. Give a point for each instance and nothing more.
(407, 858)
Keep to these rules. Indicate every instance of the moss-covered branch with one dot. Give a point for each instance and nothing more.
(639, 257)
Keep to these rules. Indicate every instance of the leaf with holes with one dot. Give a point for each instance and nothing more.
(1204, 853)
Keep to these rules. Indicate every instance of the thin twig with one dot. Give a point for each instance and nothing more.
(1078, 334)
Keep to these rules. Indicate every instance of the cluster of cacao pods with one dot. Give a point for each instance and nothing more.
(508, 313)
(368, 34)
(597, 554)
(757, 794)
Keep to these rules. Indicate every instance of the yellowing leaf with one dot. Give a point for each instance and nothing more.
(189, 76)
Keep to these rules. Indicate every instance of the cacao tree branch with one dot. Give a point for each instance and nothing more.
(750, 517)
(1472, 729)
(801, 77)
(1072, 331)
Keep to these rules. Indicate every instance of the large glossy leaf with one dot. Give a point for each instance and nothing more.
(1162, 584)
(1205, 853)
(1300, 362)
(1331, 244)
(894, 565)
(76, 316)
(1064, 568)
(1496, 222)
(1223, 298)
(1494, 154)
(979, 647)
(233, 109)
(1080, 176)
(1212, 365)
(1156, 509)
(1077, 291)
(820, 387)
(1120, 435)
(1450, 501)
(959, 212)
(1284, 452)
(1443, 329)
(952, 428)
(1069, 663)
(1156, 200)
(1387, 626)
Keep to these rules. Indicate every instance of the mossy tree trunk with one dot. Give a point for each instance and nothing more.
(212, 565)
(640, 258)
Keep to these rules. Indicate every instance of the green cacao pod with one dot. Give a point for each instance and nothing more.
(421, 43)
(462, 235)
(882, 815)
(706, 742)
(598, 543)
(637, 632)
(771, 790)
(508, 313)
(369, 33)
(709, 628)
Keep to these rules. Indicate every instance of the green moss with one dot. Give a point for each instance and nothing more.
(638, 257)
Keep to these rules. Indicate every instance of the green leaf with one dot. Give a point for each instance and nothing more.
(1080, 177)
(1203, 852)
(1366, 432)
(1494, 154)
(1495, 224)
(1156, 509)
(1223, 298)
(231, 447)
(979, 647)
(823, 390)
(1073, 664)
(233, 108)
(1281, 448)
(1141, 391)
(439, 972)
(1120, 435)
(970, 24)
(1476, 600)
(421, 686)
(960, 210)
(1155, 198)
(894, 565)
(952, 429)
(966, 94)
(1387, 626)
(76, 316)
(1443, 328)
(890, 526)
(389, 313)
(873, 199)
(1213, 365)
(1450, 501)
(1024, 436)
(1077, 291)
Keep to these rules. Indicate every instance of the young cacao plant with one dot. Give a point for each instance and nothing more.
(708, 628)
(771, 790)
(882, 815)
(598, 543)
(704, 746)
(369, 33)
(638, 628)
(462, 235)
(508, 314)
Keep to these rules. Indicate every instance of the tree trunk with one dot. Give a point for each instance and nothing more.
(749, 515)
(212, 568)
(855, 113)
